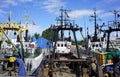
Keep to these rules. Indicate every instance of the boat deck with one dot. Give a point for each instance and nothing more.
(65, 72)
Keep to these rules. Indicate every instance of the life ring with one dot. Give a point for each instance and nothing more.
(32, 45)
(69, 46)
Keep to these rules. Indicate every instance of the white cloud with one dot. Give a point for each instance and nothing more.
(53, 6)
(12, 2)
(34, 28)
(110, 1)
(107, 4)
(80, 13)
(25, 0)
(108, 14)
(5, 4)
(9, 2)
(2, 12)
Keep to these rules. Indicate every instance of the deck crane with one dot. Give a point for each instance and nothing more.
(16, 27)
(65, 25)
(113, 27)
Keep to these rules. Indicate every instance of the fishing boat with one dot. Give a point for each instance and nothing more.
(107, 58)
(20, 57)
(63, 61)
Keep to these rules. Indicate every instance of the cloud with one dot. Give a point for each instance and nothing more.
(2, 12)
(80, 13)
(53, 6)
(34, 28)
(7, 3)
(110, 1)
(25, 0)
(108, 14)
(11, 2)
(107, 4)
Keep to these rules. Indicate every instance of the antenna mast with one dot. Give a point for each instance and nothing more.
(63, 20)
(95, 24)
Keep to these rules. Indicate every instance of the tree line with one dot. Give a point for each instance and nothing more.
(50, 35)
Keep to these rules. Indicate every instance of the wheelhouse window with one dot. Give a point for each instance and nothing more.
(58, 45)
(65, 45)
(93, 45)
(61, 45)
(96, 45)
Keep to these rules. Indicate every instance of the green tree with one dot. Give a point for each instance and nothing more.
(82, 42)
(37, 35)
(48, 34)
(79, 42)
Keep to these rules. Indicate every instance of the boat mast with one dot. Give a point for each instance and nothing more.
(9, 17)
(112, 29)
(61, 23)
(66, 25)
(63, 20)
(26, 31)
(95, 25)
(115, 12)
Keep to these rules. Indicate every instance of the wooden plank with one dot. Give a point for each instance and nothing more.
(69, 60)
(4, 59)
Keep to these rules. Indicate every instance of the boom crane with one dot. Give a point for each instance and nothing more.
(16, 27)
(65, 25)
(96, 31)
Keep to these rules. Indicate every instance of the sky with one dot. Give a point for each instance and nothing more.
(44, 12)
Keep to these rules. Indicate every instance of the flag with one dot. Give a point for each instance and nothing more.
(33, 23)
